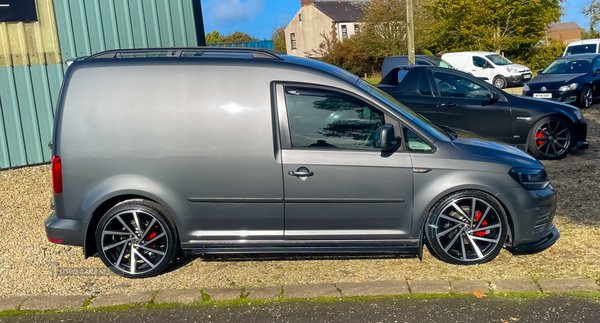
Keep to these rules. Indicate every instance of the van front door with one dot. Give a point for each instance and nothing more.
(337, 184)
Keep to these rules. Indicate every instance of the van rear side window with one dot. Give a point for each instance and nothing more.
(582, 49)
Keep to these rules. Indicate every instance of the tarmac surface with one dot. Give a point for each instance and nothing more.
(424, 310)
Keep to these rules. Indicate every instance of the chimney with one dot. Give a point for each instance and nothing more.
(307, 2)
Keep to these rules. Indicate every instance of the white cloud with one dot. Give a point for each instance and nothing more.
(234, 11)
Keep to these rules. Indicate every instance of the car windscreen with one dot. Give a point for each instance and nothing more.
(498, 60)
(581, 49)
(569, 65)
(410, 114)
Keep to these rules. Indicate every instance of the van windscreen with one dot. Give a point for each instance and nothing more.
(582, 49)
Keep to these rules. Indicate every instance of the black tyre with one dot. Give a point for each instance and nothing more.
(466, 228)
(500, 82)
(137, 239)
(550, 138)
(586, 98)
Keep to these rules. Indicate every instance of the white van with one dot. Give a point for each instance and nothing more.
(583, 47)
(491, 67)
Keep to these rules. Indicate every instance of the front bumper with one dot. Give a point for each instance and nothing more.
(70, 232)
(518, 79)
(563, 97)
(537, 246)
(531, 213)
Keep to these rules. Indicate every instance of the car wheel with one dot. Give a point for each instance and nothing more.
(466, 228)
(550, 138)
(136, 239)
(500, 82)
(586, 98)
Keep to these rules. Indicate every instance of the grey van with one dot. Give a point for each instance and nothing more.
(249, 151)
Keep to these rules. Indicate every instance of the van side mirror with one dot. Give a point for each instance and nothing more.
(387, 139)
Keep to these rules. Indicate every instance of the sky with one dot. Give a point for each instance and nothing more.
(260, 17)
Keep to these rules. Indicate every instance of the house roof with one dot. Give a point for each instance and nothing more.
(343, 11)
(571, 25)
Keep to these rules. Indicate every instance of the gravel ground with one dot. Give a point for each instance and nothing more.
(28, 262)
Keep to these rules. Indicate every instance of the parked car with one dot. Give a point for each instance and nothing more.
(586, 46)
(160, 149)
(393, 61)
(546, 129)
(569, 79)
(491, 67)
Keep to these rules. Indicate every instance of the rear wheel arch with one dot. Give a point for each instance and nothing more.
(89, 247)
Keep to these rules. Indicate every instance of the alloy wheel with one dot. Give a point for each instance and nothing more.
(468, 229)
(134, 242)
(587, 97)
(552, 138)
(499, 83)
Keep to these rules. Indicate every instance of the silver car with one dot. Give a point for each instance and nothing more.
(249, 151)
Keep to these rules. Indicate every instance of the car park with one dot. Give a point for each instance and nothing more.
(546, 129)
(393, 61)
(491, 67)
(570, 79)
(156, 150)
(585, 46)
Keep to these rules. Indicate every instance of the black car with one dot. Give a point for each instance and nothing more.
(461, 101)
(393, 61)
(571, 79)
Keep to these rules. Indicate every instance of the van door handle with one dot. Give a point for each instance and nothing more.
(449, 104)
(301, 174)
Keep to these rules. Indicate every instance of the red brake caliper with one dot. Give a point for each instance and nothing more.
(151, 234)
(539, 135)
(477, 216)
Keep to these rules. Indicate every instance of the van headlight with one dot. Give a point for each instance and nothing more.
(512, 70)
(530, 178)
(570, 87)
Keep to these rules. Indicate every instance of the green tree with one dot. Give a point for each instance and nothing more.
(495, 25)
(592, 11)
(383, 29)
(237, 37)
(213, 37)
(278, 38)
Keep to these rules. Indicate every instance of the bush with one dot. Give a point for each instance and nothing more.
(538, 58)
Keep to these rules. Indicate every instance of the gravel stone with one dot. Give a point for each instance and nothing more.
(469, 286)
(378, 288)
(223, 294)
(45, 303)
(182, 296)
(121, 299)
(11, 303)
(263, 293)
(429, 287)
(568, 285)
(515, 286)
(310, 291)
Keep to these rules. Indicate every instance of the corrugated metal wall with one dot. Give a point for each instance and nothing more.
(268, 44)
(32, 62)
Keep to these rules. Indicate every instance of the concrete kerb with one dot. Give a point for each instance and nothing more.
(308, 291)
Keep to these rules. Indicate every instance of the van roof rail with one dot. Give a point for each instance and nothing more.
(189, 52)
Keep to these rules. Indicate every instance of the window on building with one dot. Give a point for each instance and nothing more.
(344, 32)
(299, 17)
(293, 39)
(356, 28)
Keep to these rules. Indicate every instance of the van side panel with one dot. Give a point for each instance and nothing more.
(198, 138)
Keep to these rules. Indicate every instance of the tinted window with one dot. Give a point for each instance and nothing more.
(451, 85)
(424, 86)
(581, 49)
(479, 61)
(321, 119)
